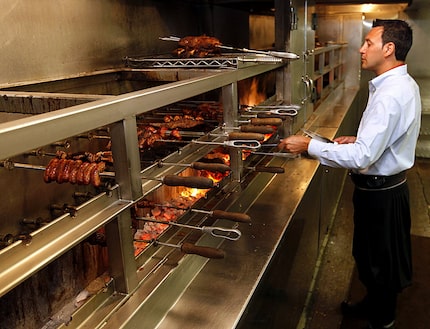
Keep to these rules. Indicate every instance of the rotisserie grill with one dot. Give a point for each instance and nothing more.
(136, 184)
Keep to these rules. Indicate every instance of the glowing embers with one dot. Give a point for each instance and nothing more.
(168, 203)
(169, 210)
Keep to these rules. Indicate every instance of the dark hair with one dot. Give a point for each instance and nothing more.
(398, 32)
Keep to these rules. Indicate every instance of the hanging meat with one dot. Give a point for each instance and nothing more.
(148, 135)
(74, 170)
(197, 46)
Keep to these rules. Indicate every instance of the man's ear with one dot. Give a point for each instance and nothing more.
(389, 49)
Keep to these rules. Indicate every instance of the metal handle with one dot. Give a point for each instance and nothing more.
(246, 144)
(278, 154)
(305, 80)
(290, 112)
(221, 232)
(240, 143)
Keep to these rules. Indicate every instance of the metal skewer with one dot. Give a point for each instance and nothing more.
(215, 167)
(218, 232)
(279, 54)
(289, 112)
(189, 248)
(278, 154)
(317, 136)
(190, 181)
(243, 144)
(216, 214)
(274, 170)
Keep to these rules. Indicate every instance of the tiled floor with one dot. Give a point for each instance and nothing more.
(337, 276)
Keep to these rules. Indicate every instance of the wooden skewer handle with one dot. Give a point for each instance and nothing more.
(190, 181)
(216, 167)
(235, 216)
(208, 252)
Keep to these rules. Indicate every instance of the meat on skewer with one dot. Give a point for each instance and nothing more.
(74, 171)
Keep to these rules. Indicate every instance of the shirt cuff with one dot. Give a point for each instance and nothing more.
(315, 148)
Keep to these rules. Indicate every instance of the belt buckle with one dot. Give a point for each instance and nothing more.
(375, 181)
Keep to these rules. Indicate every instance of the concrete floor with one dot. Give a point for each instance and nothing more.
(337, 272)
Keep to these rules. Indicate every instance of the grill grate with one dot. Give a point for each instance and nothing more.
(215, 62)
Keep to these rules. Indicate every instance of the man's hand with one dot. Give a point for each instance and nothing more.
(294, 144)
(345, 139)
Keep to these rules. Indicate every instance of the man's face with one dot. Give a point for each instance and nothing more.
(372, 51)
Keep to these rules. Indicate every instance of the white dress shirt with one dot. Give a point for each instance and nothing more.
(388, 130)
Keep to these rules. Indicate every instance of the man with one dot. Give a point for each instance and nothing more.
(378, 158)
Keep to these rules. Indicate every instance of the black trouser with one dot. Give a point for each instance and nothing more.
(382, 247)
(382, 305)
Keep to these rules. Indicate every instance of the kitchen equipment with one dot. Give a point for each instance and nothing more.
(216, 231)
(190, 181)
(278, 54)
(189, 248)
(317, 136)
(215, 167)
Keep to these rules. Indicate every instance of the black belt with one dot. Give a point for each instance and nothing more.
(374, 182)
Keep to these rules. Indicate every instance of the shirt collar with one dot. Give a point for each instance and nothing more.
(377, 81)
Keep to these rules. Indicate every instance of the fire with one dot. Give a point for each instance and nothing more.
(250, 94)
(192, 193)
(267, 136)
(215, 176)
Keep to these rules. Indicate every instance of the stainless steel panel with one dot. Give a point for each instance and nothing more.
(81, 118)
(53, 239)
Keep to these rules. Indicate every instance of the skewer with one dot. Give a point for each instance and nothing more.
(215, 167)
(278, 154)
(190, 181)
(218, 232)
(169, 180)
(288, 112)
(189, 248)
(279, 54)
(8, 239)
(65, 144)
(215, 214)
(243, 144)
(91, 136)
(254, 129)
(40, 152)
(263, 121)
(8, 164)
(65, 208)
(274, 170)
(317, 136)
(264, 107)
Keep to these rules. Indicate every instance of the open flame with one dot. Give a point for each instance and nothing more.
(183, 198)
(250, 95)
(188, 192)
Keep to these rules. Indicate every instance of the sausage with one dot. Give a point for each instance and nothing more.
(74, 171)
(95, 174)
(63, 177)
(60, 170)
(54, 171)
(95, 177)
(87, 173)
(81, 171)
(53, 163)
